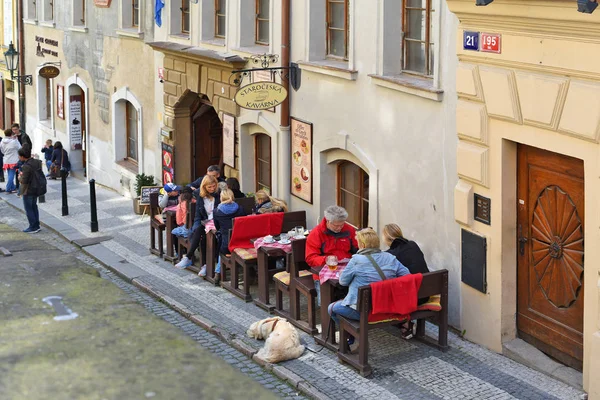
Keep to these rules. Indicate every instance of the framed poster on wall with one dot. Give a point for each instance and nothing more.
(301, 165)
(60, 101)
(75, 111)
(229, 140)
(168, 164)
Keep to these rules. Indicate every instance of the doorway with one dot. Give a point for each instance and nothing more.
(550, 256)
(207, 139)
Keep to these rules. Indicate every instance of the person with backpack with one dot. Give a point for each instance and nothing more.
(33, 182)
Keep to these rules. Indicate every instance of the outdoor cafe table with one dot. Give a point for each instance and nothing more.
(328, 289)
(266, 252)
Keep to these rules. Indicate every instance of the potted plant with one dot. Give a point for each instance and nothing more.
(141, 180)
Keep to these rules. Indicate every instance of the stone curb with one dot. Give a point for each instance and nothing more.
(238, 344)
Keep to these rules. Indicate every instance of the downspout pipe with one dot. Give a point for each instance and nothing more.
(21, 50)
(285, 139)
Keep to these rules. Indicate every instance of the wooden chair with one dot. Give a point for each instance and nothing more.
(247, 203)
(298, 281)
(433, 284)
(183, 244)
(157, 226)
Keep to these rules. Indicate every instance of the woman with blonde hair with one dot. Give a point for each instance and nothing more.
(227, 210)
(406, 251)
(363, 269)
(208, 201)
(267, 204)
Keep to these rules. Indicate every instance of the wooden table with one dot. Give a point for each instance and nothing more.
(265, 255)
(171, 223)
(327, 297)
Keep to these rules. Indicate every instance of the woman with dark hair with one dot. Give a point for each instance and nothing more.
(60, 158)
(234, 185)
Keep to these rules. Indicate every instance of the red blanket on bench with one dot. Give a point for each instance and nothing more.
(253, 227)
(394, 299)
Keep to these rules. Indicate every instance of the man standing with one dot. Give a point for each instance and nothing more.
(33, 184)
(25, 143)
(214, 171)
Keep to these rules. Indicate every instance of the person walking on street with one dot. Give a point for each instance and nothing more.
(33, 184)
(9, 147)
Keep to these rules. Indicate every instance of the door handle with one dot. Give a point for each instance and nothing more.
(522, 240)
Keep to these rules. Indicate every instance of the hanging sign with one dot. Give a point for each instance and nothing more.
(75, 125)
(49, 72)
(260, 95)
(263, 76)
(490, 42)
(229, 140)
(301, 164)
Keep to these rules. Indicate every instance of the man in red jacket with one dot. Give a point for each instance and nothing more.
(332, 237)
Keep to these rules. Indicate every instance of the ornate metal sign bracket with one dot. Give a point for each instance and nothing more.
(292, 73)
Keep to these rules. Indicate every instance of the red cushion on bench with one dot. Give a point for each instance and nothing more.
(380, 318)
(433, 304)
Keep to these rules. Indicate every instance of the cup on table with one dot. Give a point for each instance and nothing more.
(268, 239)
(284, 237)
(332, 262)
(299, 231)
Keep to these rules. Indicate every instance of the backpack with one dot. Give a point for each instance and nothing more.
(37, 186)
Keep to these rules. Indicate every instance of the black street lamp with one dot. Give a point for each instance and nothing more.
(12, 63)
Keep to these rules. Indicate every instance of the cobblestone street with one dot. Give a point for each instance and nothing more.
(218, 320)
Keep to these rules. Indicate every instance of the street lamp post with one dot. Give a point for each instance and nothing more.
(12, 64)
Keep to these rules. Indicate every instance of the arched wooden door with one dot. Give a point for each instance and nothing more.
(551, 253)
(207, 140)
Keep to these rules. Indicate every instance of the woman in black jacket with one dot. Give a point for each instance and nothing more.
(406, 251)
(206, 203)
(234, 185)
(226, 211)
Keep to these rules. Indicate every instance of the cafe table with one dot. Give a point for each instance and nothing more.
(266, 253)
(328, 295)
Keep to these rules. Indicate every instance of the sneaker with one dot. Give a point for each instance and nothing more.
(202, 272)
(184, 263)
(30, 230)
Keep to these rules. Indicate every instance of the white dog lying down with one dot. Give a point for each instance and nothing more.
(282, 340)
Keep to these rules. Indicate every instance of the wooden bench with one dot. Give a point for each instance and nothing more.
(157, 226)
(434, 283)
(184, 243)
(242, 261)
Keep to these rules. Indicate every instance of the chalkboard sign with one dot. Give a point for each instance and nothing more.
(473, 260)
(146, 191)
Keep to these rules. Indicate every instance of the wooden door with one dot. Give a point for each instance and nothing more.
(550, 253)
(208, 142)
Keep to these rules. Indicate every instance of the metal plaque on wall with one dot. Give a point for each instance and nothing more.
(473, 260)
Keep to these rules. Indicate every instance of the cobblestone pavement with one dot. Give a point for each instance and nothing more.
(402, 369)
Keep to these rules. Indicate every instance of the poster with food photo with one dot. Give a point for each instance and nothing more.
(167, 163)
(302, 159)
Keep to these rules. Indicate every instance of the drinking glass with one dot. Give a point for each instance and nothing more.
(284, 237)
(332, 262)
(299, 230)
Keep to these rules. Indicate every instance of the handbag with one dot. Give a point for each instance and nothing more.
(55, 169)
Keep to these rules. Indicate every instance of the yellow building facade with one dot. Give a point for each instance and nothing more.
(528, 123)
(9, 105)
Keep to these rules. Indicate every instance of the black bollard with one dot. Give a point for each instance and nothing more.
(94, 222)
(65, 205)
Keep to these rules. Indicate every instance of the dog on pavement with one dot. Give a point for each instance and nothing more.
(282, 341)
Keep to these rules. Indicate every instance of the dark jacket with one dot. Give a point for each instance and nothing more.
(57, 158)
(29, 167)
(48, 153)
(223, 217)
(25, 140)
(238, 194)
(201, 213)
(409, 254)
(198, 181)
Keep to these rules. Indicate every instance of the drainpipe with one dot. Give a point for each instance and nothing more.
(21, 50)
(285, 139)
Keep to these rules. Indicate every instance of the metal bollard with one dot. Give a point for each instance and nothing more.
(94, 221)
(65, 205)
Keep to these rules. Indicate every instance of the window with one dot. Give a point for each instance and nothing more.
(131, 122)
(31, 11)
(262, 163)
(48, 110)
(220, 18)
(135, 13)
(185, 16)
(48, 9)
(78, 12)
(418, 40)
(353, 193)
(262, 22)
(337, 29)
(44, 99)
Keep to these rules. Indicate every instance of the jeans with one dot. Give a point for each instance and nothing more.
(19, 166)
(318, 289)
(10, 183)
(337, 308)
(218, 267)
(32, 212)
(48, 165)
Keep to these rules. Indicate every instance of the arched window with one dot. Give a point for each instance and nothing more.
(131, 122)
(262, 163)
(353, 193)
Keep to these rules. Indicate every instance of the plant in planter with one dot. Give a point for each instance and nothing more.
(141, 180)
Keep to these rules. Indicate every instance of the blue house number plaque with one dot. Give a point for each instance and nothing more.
(471, 40)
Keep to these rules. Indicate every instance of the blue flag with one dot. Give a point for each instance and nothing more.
(158, 11)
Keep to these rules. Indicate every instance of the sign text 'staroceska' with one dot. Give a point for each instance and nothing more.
(260, 95)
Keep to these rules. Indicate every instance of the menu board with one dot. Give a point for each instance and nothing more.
(75, 126)
(168, 165)
(145, 193)
(301, 175)
(229, 140)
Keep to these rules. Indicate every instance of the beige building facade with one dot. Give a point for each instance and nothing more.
(528, 123)
(9, 107)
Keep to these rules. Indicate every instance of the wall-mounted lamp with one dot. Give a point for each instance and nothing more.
(586, 6)
(12, 64)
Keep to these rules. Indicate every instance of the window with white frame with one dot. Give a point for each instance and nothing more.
(130, 14)
(131, 123)
(79, 10)
(45, 92)
(127, 129)
(48, 10)
(417, 42)
(180, 18)
(262, 22)
(31, 10)
(329, 34)
(220, 18)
